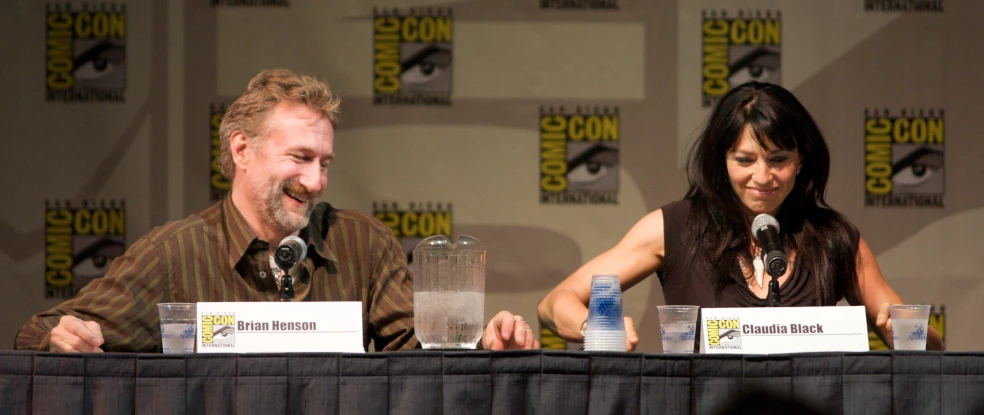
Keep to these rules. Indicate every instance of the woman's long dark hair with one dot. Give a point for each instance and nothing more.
(825, 242)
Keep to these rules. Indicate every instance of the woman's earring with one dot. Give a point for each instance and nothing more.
(797, 172)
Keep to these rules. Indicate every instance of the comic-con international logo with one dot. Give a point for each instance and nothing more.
(937, 320)
(903, 6)
(579, 4)
(80, 244)
(903, 158)
(218, 330)
(738, 49)
(724, 334)
(414, 223)
(218, 185)
(412, 56)
(579, 155)
(85, 56)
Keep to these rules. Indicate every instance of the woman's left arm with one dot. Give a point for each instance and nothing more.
(877, 295)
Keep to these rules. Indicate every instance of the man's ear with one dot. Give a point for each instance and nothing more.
(240, 147)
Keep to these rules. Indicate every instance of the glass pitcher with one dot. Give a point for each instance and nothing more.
(449, 292)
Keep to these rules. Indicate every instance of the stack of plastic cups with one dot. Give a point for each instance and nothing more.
(605, 330)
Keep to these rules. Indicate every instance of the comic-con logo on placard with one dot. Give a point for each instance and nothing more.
(80, 244)
(738, 49)
(550, 340)
(937, 320)
(724, 334)
(903, 158)
(579, 155)
(250, 3)
(579, 4)
(218, 330)
(218, 184)
(412, 56)
(416, 222)
(85, 56)
(931, 6)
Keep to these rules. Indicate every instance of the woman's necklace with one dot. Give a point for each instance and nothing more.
(757, 265)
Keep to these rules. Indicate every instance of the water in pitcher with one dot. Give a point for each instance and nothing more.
(449, 292)
(448, 320)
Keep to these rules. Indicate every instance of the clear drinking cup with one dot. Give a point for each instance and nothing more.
(178, 325)
(910, 325)
(678, 325)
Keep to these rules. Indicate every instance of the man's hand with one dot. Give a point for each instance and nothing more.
(74, 335)
(506, 331)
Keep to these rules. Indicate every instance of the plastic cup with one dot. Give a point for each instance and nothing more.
(678, 325)
(178, 324)
(910, 324)
(605, 330)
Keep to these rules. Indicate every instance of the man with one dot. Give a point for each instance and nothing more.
(277, 144)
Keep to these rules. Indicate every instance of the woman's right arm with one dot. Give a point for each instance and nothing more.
(635, 257)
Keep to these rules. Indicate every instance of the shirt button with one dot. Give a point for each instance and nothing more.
(262, 274)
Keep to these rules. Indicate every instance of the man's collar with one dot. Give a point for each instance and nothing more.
(315, 230)
(241, 235)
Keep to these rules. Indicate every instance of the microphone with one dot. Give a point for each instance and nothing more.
(291, 251)
(765, 228)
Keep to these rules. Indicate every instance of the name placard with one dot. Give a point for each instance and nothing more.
(763, 330)
(280, 327)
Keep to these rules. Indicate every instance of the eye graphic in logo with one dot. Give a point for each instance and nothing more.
(730, 336)
(426, 68)
(100, 64)
(96, 255)
(919, 171)
(93, 254)
(754, 63)
(225, 334)
(593, 167)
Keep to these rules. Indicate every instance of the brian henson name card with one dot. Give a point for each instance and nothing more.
(264, 327)
(762, 330)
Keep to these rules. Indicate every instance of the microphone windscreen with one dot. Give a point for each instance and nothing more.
(764, 220)
(299, 246)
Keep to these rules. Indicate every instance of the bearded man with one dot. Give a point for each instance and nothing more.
(277, 146)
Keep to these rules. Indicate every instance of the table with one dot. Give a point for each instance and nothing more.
(484, 382)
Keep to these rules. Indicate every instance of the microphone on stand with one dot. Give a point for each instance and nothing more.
(291, 251)
(765, 229)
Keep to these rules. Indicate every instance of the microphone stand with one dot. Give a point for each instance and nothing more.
(775, 269)
(285, 260)
(286, 288)
(774, 298)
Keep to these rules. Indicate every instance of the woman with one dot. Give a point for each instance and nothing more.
(761, 152)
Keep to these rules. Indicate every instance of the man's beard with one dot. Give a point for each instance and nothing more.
(272, 209)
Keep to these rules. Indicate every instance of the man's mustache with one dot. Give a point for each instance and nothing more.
(295, 189)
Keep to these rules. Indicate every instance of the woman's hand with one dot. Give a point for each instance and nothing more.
(508, 331)
(631, 338)
(884, 323)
